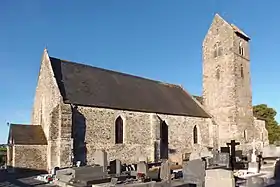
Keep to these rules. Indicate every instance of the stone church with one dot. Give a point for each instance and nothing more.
(79, 109)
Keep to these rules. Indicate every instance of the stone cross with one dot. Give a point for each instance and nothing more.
(232, 145)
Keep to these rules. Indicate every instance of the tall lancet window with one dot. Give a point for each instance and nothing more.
(195, 139)
(241, 49)
(242, 71)
(218, 72)
(217, 49)
(119, 130)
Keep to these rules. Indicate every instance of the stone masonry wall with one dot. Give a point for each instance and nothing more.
(219, 85)
(140, 133)
(245, 117)
(30, 156)
(227, 94)
(46, 108)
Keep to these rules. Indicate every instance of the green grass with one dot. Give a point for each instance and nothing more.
(3, 149)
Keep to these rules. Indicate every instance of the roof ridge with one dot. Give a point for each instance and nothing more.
(20, 124)
(118, 72)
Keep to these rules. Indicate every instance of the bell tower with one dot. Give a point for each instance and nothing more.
(227, 91)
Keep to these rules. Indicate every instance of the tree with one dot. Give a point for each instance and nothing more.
(268, 114)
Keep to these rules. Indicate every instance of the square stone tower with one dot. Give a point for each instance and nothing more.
(227, 93)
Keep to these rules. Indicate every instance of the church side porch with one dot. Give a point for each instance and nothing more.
(27, 148)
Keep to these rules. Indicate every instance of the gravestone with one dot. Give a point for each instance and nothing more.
(100, 158)
(195, 155)
(142, 168)
(209, 161)
(215, 157)
(80, 173)
(186, 157)
(165, 171)
(225, 150)
(253, 167)
(194, 172)
(219, 178)
(255, 182)
(238, 153)
(223, 159)
(115, 167)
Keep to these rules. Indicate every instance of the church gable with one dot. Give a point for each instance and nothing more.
(90, 86)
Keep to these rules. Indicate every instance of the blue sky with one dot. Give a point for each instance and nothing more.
(157, 39)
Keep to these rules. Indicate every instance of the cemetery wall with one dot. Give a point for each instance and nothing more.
(30, 156)
(141, 130)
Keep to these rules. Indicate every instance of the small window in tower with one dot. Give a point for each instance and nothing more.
(217, 49)
(245, 135)
(218, 73)
(242, 71)
(241, 49)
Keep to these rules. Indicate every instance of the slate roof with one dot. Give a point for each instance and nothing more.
(27, 134)
(91, 86)
(238, 30)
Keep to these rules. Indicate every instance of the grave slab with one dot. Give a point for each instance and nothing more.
(219, 177)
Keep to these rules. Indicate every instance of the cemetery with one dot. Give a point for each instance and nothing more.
(226, 167)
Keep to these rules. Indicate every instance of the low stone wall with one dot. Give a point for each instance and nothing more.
(31, 157)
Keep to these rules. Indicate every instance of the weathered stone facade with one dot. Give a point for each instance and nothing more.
(227, 91)
(141, 131)
(78, 130)
(27, 156)
(53, 115)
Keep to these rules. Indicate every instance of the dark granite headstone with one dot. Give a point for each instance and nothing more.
(225, 150)
(115, 167)
(238, 153)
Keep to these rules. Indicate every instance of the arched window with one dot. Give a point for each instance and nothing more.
(217, 49)
(218, 72)
(241, 49)
(241, 71)
(195, 140)
(119, 130)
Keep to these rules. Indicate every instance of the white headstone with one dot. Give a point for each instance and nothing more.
(195, 155)
(165, 171)
(254, 156)
(219, 177)
(253, 167)
(100, 158)
(142, 168)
